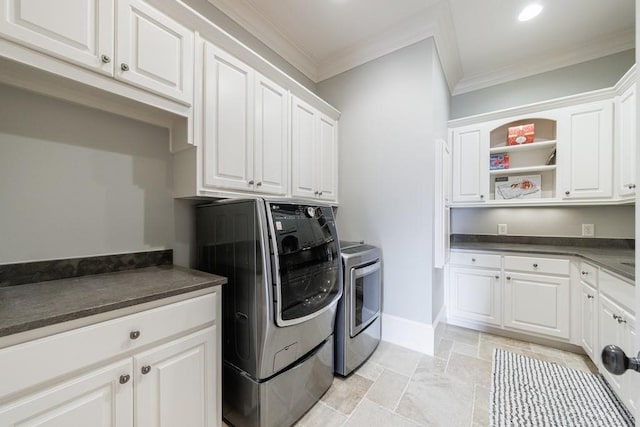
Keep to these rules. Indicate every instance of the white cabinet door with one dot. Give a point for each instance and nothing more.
(304, 122)
(228, 121)
(475, 294)
(96, 399)
(271, 138)
(175, 383)
(588, 320)
(79, 31)
(626, 143)
(328, 157)
(153, 51)
(611, 333)
(585, 151)
(470, 165)
(537, 303)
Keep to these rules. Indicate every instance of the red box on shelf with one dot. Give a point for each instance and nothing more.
(499, 161)
(518, 135)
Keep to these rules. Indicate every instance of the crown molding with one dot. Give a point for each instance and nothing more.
(248, 17)
(554, 59)
(434, 21)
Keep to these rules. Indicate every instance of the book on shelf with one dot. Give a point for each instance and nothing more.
(518, 187)
(499, 161)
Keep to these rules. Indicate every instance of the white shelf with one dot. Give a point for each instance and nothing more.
(528, 169)
(523, 147)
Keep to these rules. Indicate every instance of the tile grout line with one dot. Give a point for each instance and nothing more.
(404, 390)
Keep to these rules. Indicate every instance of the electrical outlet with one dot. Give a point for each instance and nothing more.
(588, 230)
(502, 229)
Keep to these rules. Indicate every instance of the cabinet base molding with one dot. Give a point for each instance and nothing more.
(565, 346)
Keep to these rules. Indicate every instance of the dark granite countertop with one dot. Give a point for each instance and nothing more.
(606, 257)
(35, 305)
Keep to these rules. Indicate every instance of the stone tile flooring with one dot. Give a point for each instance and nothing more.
(400, 387)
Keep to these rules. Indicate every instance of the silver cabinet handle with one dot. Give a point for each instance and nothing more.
(125, 378)
(251, 182)
(134, 335)
(590, 296)
(632, 186)
(621, 320)
(615, 316)
(145, 369)
(508, 277)
(315, 192)
(259, 183)
(105, 58)
(124, 67)
(584, 273)
(319, 193)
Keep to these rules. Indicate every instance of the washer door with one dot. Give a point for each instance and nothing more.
(365, 296)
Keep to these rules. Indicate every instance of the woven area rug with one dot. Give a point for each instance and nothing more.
(530, 392)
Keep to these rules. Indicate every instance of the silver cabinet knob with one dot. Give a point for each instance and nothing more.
(124, 67)
(584, 273)
(251, 182)
(473, 260)
(615, 316)
(134, 335)
(567, 193)
(259, 183)
(125, 378)
(535, 265)
(315, 192)
(145, 369)
(632, 186)
(508, 277)
(482, 196)
(105, 58)
(319, 193)
(621, 319)
(497, 277)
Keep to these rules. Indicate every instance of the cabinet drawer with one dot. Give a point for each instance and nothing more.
(589, 274)
(471, 259)
(79, 348)
(618, 290)
(537, 265)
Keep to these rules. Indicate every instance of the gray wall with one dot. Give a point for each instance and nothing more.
(386, 161)
(587, 76)
(609, 221)
(230, 26)
(79, 182)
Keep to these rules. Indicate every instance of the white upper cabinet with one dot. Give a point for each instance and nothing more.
(153, 51)
(245, 141)
(142, 47)
(625, 178)
(271, 151)
(587, 151)
(470, 175)
(314, 145)
(78, 31)
(228, 119)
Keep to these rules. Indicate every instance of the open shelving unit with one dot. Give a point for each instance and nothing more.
(532, 159)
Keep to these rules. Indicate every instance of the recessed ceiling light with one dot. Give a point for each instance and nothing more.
(530, 12)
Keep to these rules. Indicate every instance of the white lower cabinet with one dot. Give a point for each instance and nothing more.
(475, 294)
(163, 377)
(589, 319)
(175, 383)
(95, 399)
(537, 303)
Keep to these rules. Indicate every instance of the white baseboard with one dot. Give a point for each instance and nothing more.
(407, 333)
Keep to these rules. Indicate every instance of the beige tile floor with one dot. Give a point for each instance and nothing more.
(400, 387)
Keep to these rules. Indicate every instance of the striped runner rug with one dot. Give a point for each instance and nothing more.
(531, 392)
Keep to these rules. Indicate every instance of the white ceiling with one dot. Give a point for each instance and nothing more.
(480, 42)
